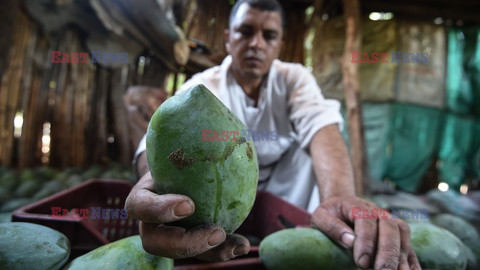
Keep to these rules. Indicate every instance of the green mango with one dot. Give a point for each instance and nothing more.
(221, 177)
(46, 173)
(6, 217)
(14, 204)
(93, 172)
(437, 248)
(27, 175)
(303, 248)
(126, 253)
(5, 195)
(9, 180)
(49, 188)
(459, 227)
(27, 189)
(32, 246)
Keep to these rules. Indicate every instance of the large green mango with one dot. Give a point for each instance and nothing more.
(465, 232)
(437, 248)
(303, 248)
(32, 246)
(220, 176)
(126, 253)
(459, 227)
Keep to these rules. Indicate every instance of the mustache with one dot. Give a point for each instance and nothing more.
(255, 54)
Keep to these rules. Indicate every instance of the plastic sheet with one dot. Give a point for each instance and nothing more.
(422, 83)
(376, 79)
(459, 153)
(415, 136)
(463, 70)
(376, 125)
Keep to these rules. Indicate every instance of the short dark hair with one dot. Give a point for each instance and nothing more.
(266, 5)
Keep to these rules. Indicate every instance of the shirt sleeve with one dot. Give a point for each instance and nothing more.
(309, 111)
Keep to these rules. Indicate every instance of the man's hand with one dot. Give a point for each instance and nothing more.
(382, 242)
(209, 243)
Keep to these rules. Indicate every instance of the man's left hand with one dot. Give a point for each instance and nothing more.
(381, 242)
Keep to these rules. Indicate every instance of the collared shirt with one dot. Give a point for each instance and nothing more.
(291, 105)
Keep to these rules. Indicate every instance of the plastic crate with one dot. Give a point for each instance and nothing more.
(84, 234)
(269, 214)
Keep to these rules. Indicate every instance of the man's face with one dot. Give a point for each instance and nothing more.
(254, 40)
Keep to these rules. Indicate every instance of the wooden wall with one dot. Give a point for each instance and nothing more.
(83, 102)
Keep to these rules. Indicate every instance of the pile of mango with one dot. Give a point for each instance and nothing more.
(19, 188)
(33, 246)
(447, 242)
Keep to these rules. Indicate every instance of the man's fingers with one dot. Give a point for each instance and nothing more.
(177, 242)
(413, 261)
(235, 245)
(406, 247)
(366, 242)
(333, 227)
(388, 253)
(143, 204)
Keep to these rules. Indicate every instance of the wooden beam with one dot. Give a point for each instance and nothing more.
(352, 92)
(425, 10)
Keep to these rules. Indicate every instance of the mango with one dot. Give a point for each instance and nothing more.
(437, 248)
(218, 169)
(32, 246)
(303, 248)
(126, 253)
(458, 226)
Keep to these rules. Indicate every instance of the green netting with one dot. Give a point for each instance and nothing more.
(459, 149)
(472, 65)
(415, 136)
(401, 141)
(463, 70)
(376, 124)
(474, 168)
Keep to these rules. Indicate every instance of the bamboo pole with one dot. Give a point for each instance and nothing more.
(352, 91)
(29, 95)
(11, 88)
(119, 115)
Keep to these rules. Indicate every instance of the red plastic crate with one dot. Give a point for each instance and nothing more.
(84, 234)
(269, 214)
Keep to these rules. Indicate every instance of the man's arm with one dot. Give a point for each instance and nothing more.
(331, 163)
(382, 243)
(141, 164)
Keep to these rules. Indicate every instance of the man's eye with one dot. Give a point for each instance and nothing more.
(270, 36)
(246, 32)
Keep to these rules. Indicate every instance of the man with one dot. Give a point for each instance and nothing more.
(267, 94)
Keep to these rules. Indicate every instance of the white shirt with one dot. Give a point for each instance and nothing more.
(290, 103)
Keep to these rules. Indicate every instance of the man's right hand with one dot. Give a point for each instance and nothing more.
(206, 242)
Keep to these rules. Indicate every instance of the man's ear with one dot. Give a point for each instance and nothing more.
(226, 39)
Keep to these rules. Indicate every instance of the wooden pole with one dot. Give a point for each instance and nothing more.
(352, 92)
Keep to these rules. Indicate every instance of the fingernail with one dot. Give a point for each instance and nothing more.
(364, 260)
(216, 238)
(240, 250)
(182, 209)
(347, 239)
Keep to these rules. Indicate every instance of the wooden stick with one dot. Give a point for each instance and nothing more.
(352, 92)
(119, 115)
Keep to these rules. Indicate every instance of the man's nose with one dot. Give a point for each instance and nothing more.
(257, 41)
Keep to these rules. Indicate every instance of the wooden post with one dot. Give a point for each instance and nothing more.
(352, 92)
